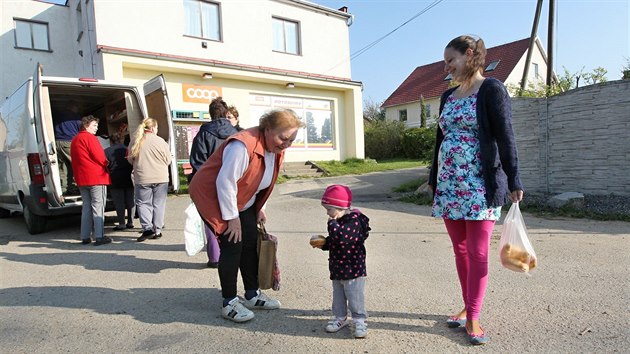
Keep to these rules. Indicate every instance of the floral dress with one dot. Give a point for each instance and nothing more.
(460, 190)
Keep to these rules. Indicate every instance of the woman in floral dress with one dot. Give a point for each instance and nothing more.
(474, 172)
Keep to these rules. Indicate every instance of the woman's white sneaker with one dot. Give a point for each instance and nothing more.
(235, 311)
(261, 302)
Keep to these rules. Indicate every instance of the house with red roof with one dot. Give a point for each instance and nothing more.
(505, 62)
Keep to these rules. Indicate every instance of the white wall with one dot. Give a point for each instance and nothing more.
(246, 29)
(413, 112)
(236, 88)
(157, 28)
(517, 74)
(16, 65)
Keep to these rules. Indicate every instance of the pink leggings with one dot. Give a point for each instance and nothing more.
(471, 241)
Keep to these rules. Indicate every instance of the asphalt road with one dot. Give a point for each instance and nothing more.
(57, 295)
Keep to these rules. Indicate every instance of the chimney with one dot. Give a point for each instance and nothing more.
(343, 9)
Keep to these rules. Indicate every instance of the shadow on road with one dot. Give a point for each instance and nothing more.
(166, 305)
(105, 261)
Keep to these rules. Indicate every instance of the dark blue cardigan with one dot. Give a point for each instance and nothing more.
(499, 158)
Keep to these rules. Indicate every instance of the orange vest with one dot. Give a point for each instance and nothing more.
(203, 190)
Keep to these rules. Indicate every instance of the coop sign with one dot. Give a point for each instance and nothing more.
(199, 93)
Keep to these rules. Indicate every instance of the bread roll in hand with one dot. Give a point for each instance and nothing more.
(317, 241)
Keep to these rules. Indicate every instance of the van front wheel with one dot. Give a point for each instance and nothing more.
(4, 213)
(35, 224)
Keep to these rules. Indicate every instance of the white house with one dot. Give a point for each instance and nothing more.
(257, 55)
(505, 62)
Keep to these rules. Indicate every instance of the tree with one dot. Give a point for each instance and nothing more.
(598, 75)
(625, 71)
(563, 83)
(372, 110)
(311, 129)
(423, 113)
(326, 131)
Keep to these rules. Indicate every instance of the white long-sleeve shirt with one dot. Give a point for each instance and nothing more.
(235, 163)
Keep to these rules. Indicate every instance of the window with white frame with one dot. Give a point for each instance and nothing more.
(31, 35)
(536, 72)
(202, 19)
(286, 36)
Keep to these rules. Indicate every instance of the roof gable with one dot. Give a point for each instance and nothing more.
(428, 80)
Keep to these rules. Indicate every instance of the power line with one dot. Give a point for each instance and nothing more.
(369, 46)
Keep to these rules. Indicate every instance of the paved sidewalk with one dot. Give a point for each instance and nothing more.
(59, 296)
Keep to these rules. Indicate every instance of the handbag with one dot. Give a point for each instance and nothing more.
(268, 269)
(194, 231)
(515, 250)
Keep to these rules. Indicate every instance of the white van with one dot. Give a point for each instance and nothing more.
(29, 167)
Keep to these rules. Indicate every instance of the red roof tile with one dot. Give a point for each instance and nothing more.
(428, 80)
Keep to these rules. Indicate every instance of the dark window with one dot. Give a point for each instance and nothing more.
(402, 115)
(492, 65)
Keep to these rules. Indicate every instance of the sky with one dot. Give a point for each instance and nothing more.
(588, 34)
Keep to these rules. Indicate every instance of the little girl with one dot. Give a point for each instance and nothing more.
(347, 231)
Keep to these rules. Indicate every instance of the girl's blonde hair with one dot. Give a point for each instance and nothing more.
(139, 135)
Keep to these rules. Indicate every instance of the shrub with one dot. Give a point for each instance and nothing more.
(418, 143)
(383, 139)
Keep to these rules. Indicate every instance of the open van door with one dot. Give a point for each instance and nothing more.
(158, 108)
(46, 139)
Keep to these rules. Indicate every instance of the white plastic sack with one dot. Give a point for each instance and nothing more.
(515, 250)
(194, 231)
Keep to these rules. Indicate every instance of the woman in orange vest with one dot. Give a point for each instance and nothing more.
(230, 191)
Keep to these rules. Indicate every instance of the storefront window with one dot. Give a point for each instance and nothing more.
(317, 114)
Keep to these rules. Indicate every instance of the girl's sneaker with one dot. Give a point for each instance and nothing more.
(336, 324)
(360, 330)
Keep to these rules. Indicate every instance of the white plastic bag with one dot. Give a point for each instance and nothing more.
(515, 250)
(194, 231)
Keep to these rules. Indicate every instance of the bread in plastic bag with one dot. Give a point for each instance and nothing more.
(515, 251)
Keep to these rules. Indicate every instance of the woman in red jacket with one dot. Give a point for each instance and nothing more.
(90, 173)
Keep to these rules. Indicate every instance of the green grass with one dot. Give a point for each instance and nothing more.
(351, 166)
(361, 166)
(409, 196)
(183, 181)
(410, 186)
(572, 212)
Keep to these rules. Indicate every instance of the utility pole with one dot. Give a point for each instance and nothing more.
(550, 38)
(532, 41)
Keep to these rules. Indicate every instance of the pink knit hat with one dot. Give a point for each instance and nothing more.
(337, 196)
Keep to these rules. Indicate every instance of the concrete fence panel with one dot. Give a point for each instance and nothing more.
(578, 141)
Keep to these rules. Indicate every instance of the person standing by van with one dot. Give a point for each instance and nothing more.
(150, 157)
(90, 164)
(66, 126)
(122, 187)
